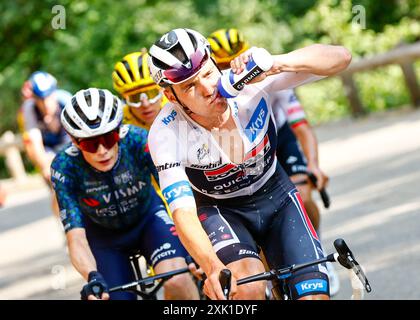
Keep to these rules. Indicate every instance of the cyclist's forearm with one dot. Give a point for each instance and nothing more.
(81, 255)
(36, 153)
(195, 239)
(309, 143)
(319, 59)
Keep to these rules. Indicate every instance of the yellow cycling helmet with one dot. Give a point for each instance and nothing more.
(227, 44)
(131, 74)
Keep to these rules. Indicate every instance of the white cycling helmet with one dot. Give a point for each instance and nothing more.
(92, 112)
(177, 56)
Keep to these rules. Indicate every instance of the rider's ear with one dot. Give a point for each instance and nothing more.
(169, 95)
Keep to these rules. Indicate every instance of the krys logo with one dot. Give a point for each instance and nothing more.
(177, 190)
(168, 119)
(257, 121)
(318, 285)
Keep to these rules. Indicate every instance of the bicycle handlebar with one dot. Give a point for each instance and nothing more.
(161, 276)
(343, 256)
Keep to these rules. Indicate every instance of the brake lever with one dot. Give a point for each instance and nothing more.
(347, 260)
(225, 277)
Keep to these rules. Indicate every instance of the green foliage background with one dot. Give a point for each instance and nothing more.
(100, 32)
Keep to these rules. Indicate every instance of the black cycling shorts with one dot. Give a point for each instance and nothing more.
(289, 153)
(272, 219)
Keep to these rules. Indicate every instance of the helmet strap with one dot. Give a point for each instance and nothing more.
(186, 109)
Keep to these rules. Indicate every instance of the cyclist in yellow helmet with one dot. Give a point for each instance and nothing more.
(297, 146)
(143, 98)
(226, 45)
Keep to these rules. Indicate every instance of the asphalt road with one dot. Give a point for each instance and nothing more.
(374, 167)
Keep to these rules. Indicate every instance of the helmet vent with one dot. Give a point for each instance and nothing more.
(70, 121)
(127, 67)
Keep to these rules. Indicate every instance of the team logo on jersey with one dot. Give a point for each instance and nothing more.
(235, 108)
(91, 202)
(63, 214)
(58, 176)
(72, 151)
(166, 166)
(202, 152)
(291, 159)
(257, 121)
(177, 190)
(251, 159)
(124, 177)
(168, 119)
(124, 130)
(126, 192)
(223, 172)
(315, 285)
(211, 165)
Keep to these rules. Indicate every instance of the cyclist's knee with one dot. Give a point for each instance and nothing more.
(243, 268)
(180, 287)
(251, 291)
(316, 297)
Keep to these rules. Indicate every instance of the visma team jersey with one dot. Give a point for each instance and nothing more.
(187, 156)
(116, 199)
(287, 109)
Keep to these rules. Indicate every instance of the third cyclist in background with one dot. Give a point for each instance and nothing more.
(143, 98)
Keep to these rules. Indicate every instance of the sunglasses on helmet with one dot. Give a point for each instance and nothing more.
(91, 145)
(134, 100)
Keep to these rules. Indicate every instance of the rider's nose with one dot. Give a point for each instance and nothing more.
(144, 101)
(206, 87)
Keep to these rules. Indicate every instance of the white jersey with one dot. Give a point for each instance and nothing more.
(187, 156)
(287, 108)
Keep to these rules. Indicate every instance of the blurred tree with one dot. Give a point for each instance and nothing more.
(100, 32)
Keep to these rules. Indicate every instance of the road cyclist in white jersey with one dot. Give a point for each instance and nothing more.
(297, 145)
(218, 169)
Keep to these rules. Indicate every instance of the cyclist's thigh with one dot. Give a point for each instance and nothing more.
(292, 239)
(158, 240)
(289, 154)
(115, 266)
(231, 240)
(301, 182)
